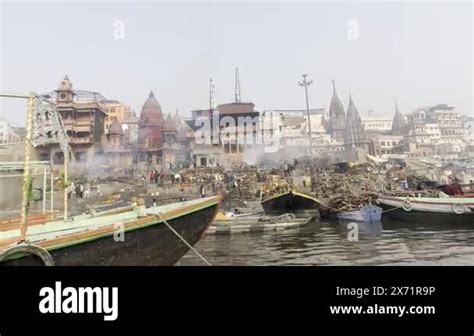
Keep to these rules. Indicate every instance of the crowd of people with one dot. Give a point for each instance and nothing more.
(78, 190)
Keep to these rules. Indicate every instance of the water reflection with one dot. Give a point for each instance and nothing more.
(326, 243)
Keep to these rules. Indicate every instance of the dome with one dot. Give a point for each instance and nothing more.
(116, 128)
(151, 112)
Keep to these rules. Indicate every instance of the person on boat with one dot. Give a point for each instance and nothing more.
(402, 178)
(202, 191)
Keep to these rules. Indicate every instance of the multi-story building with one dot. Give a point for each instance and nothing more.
(386, 144)
(115, 111)
(8, 133)
(226, 135)
(449, 121)
(288, 131)
(83, 119)
(375, 125)
(425, 133)
(469, 130)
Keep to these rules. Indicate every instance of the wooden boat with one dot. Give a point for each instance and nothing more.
(226, 224)
(448, 210)
(300, 204)
(463, 190)
(94, 239)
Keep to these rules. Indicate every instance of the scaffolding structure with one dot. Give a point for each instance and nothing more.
(8, 170)
(44, 126)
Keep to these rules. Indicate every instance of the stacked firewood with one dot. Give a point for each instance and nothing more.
(275, 184)
(246, 187)
(344, 192)
(327, 185)
(347, 202)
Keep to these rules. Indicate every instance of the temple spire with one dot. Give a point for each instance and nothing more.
(354, 132)
(336, 122)
(399, 124)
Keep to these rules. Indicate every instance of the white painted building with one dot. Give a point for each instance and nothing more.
(7, 132)
(377, 124)
(428, 133)
(387, 144)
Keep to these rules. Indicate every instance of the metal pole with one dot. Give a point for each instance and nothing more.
(44, 190)
(306, 83)
(26, 172)
(52, 190)
(9, 95)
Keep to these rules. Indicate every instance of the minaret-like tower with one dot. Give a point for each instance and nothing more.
(65, 93)
(237, 86)
(212, 103)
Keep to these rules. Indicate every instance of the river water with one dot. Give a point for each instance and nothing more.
(337, 243)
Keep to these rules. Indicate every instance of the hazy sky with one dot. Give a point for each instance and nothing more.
(417, 53)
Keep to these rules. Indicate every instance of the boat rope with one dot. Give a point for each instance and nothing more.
(388, 210)
(184, 241)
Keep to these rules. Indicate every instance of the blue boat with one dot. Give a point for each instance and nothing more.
(369, 214)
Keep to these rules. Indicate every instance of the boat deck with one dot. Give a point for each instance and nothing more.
(43, 228)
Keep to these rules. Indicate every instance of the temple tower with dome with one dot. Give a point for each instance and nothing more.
(151, 123)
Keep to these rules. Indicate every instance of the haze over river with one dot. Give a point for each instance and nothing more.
(326, 243)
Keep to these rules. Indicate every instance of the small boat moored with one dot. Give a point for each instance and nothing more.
(368, 213)
(448, 210)
(227, 223)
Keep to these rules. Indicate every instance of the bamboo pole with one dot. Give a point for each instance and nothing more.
(66, 187)
(26, 172)
(52, 190)
(44, 190)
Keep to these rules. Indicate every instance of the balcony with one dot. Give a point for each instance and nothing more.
(85, 140)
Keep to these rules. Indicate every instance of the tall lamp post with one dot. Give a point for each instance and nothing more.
(307, 83)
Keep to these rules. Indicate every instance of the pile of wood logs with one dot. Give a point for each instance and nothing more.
(343, 192)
